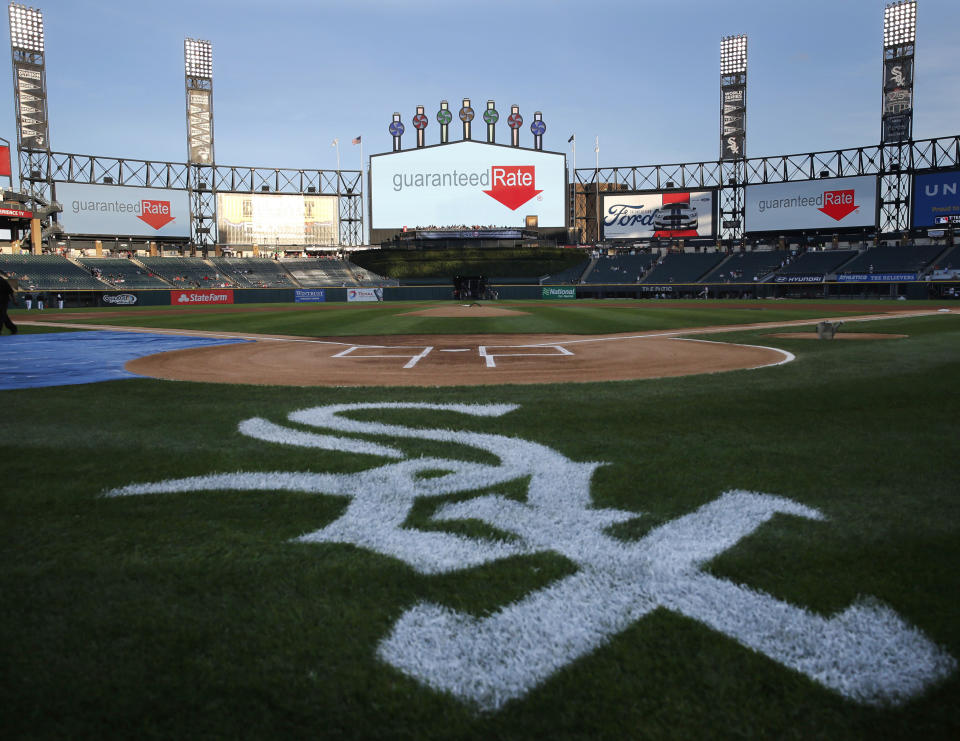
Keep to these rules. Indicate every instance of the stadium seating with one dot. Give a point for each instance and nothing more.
(368, 278)
(894, 259)
(186, 272)
(122, 273)
(311, 272)
(48, 273)
(747, 267)
(817, 263)
(620, 268)
(570, 275)
(254, 272)
(683, 267)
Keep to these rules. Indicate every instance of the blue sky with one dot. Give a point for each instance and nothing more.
(291, 75)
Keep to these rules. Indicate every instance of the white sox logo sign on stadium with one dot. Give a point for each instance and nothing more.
(866, 653)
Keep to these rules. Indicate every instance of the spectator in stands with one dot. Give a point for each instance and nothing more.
(6, 293)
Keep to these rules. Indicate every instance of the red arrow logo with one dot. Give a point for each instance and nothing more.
(155, 213)
(838, 203)
(512, 185)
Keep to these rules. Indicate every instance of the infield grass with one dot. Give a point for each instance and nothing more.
(193, 615)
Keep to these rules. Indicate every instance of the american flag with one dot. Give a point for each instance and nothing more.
(357, 140)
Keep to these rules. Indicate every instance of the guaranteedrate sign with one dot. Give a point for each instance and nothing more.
(468, 183)
(835, 203)
(131, 212)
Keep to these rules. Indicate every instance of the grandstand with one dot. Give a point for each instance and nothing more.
(683, 267)
(254, 272)
(620, 268)
(186, 272)
(748, 267)
(573, 274)
(893, 259)
(367, 277)
(819, 263)
(310, 272)
(48, 272)
(122, 273)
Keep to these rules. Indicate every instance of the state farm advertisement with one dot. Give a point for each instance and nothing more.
(123, 211)
(203, 296)
(832, 203)
(659, 214)
(467, 184)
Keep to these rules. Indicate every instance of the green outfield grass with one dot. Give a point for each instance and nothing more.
(539, 317)
(193, 615)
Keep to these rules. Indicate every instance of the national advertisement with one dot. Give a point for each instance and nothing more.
(270, 219)
(467, 184)
(202, 296)
(123, 211)
(658, 214)
(364, 294)
(875, 277)
(309, 295)
(936, 199)
(830, 203)
(558, 292)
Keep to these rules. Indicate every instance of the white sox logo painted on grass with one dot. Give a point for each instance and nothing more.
(866, 653)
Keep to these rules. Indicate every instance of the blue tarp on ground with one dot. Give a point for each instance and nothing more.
(67, 358)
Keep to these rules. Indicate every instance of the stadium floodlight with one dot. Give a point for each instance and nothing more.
(900, 23)
(198, 58)
(733, 55)
(26, 28)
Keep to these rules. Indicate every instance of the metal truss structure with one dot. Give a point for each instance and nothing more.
(894, 165)
(54, 167)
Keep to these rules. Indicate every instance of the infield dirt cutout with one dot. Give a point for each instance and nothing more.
(461, 360)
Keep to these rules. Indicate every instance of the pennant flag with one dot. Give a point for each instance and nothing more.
(572, 137)
(334, 143)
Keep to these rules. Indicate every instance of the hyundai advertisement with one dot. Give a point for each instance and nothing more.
(936, 199)
(123, 211)
(659, 214)
(467, 183)
(832, 203)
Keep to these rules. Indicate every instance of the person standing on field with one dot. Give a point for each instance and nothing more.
(6, 293)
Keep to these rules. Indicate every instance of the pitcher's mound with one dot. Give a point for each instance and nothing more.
(465, 310)
(839, 336)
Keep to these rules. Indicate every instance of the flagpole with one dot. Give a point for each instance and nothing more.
(574, 224)
(363, 189)
(596, 149)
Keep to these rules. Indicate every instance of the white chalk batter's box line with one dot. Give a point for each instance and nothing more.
(483, 350)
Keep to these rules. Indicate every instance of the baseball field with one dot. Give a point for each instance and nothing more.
(583, 520)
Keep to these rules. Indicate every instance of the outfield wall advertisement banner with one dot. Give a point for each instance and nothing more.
(202, 296)
(936, 199)
(658, 214)
(277, 219)
(561, 292)
(310, 295)
(834, 203)
(467, 183)
(123, 211)
(365, 294)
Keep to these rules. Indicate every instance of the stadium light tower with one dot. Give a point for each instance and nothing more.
(899, 42)
(198, 82)
(733, 94)
(733, 132)
(30, 95)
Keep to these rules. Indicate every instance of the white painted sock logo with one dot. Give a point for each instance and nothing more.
(867, 653)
